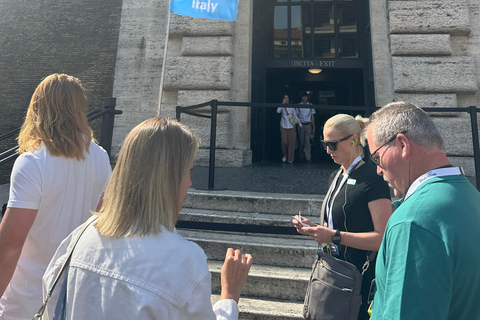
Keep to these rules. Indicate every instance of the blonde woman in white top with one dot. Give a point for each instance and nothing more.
(56, 182)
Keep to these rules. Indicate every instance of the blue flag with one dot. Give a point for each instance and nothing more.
(208, 9)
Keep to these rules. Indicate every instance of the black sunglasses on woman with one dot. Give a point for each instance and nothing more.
(333, 143)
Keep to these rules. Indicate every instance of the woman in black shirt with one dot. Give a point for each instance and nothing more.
(357, 205)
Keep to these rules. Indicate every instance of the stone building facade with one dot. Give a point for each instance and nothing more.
(206, 60)
(426, 52)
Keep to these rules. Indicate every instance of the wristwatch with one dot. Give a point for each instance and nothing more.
(336, 238)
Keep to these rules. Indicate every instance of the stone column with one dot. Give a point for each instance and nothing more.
(139, 61)
(206, 60)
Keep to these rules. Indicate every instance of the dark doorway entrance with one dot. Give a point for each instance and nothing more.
(289, 38)
(342, 87)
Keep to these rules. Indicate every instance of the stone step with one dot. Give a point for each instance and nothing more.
(286, 250)
(275, 203)
(240, 218)
(282, 261)
(280, 283)
(259, 309)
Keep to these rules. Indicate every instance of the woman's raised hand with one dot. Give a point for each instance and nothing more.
(234, 273)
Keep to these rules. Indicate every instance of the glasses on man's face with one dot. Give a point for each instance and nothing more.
(376, 158)
(333, 144)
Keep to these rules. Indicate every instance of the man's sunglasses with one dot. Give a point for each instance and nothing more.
(333, 144)
(376, 159)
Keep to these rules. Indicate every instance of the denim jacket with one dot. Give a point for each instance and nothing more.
(151, 277)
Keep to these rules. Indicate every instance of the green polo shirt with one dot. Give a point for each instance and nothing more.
(428, 266)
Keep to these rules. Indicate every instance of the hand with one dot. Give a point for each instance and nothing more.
(319, 233)
(299, 226)
(234, 273)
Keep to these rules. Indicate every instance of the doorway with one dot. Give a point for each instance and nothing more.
(291, 36)
(342, 87)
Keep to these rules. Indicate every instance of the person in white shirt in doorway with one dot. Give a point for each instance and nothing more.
(307, 119)
(288, 130)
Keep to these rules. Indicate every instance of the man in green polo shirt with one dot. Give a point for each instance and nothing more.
(428, 265)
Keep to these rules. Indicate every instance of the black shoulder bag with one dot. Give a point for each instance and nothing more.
(334, 289)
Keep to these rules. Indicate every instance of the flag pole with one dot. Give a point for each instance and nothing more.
(160, 93)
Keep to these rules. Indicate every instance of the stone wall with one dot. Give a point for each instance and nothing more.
(433, 57)
(41, 37)
(206, 60)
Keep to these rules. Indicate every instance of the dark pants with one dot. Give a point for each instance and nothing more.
(304, 133)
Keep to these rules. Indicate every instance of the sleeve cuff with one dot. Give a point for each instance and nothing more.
(226, 309)
(22, 204)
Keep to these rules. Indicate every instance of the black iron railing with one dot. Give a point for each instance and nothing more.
(214, 104)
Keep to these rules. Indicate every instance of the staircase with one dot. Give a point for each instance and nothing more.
(278, 279)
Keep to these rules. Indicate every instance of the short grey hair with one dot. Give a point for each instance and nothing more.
(397, 117)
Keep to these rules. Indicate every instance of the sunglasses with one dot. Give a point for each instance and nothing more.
(333, 144)
(376, 159)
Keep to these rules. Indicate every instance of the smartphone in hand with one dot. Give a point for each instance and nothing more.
(300, 220)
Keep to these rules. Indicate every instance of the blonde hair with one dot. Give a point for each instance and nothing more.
(349, 125)
(143, 191)
(56, 118)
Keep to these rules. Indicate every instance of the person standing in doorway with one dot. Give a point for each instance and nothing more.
(307, 119)
(287, 130)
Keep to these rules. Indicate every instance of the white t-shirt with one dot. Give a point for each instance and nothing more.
(305, 115)
(159, 276)
(64, 191)
(284, 123)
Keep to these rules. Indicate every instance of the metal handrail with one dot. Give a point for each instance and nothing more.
(12, 133)
(8, 155)
(8, 152)
(473, 110)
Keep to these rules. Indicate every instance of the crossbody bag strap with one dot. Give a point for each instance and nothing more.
(40, 312)
(370, 257)
(286, 111)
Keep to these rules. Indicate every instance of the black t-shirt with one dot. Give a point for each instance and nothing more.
(351, 214)
(350, 207)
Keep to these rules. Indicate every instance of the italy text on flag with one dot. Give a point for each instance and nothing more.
(209, 9)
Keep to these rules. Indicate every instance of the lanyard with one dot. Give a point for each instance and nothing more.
(455, 171)
(330, 199)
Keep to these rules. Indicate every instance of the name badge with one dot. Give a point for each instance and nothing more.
(351, 182)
